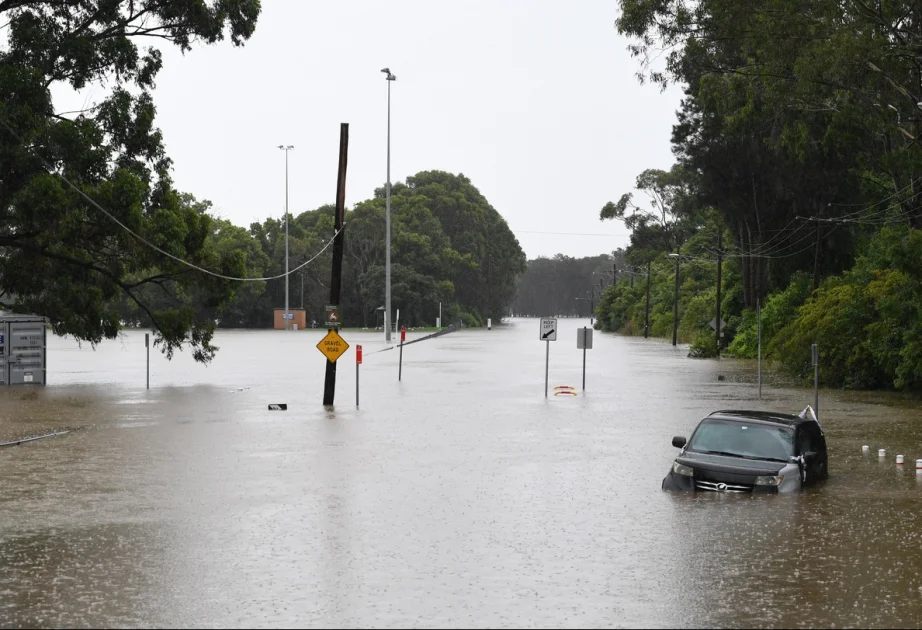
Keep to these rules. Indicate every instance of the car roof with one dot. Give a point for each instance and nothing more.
(768, 417)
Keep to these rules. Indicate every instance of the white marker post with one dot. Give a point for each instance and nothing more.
(547, 333)
(584, 342)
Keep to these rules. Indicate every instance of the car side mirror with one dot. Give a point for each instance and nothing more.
(679, 441)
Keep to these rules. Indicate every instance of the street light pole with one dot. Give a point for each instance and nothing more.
(286, 149)
(387, 215)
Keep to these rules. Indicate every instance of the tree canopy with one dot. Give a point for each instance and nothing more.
(59, 253)
(798, 140)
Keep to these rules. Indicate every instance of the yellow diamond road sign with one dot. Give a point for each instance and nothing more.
(333, 346)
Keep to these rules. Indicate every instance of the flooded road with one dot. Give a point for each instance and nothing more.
(457, 497)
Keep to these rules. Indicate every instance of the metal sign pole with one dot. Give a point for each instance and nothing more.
(403, 338)
(358, 362)
(147, 346)
(816, 379)
(547, 359)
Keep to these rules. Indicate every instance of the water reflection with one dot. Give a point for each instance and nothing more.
(459, 496)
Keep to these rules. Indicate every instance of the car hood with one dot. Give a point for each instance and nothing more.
(724, 463)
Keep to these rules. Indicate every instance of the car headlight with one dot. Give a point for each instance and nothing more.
(680, 469)
(774, 480)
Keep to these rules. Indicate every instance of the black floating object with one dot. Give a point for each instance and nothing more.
(721, 377)
(278, 407)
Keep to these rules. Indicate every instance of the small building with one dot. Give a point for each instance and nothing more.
(297, 317)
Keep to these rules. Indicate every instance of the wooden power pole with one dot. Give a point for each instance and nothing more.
(329, 382)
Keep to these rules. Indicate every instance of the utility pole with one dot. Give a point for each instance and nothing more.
(720, 259)
(646, 325)
(329, 382)
(387, 214)
(675, 299)
(816, 255)
(286, 149)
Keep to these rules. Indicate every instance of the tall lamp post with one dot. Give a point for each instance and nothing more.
(387, 214)
(286, 149)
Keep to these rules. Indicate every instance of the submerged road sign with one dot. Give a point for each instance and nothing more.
(332, 346)
(548, 330)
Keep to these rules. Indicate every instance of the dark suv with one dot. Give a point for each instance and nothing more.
(750, 451)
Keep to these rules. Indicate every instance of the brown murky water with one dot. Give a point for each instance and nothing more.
(458, 497)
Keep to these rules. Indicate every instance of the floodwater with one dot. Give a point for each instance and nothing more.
(457, 497)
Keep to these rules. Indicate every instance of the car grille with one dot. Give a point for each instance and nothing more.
(714, 486)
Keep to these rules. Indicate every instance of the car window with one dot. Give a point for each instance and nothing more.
(743, 439)
(810, 438)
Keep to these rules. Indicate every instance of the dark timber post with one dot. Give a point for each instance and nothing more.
(675, 300)
(329, 382)
(719, 268)
(646, 323)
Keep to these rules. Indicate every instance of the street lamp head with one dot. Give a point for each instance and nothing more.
(286, 147)
(387, 71)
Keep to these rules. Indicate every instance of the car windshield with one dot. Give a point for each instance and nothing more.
(741, 439)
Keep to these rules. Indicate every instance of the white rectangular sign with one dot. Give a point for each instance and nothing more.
(584, 338)
(548, 330)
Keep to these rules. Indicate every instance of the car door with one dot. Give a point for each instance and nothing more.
(809, 438)
(818, 468)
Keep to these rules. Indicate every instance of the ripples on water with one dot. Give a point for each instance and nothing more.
(457, 497)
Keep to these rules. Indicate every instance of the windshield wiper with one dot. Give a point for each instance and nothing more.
(755, 457)
(726, 454)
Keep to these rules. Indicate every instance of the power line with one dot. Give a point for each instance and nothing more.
(567, 233)
(144, 240)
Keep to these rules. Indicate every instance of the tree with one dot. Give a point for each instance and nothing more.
(659, 229)
(59, 252)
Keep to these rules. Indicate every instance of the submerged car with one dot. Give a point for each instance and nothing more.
(750, 452)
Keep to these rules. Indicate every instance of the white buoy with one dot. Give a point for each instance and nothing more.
(882, 452)
(919, 465)
(865, 449)
(899, 459)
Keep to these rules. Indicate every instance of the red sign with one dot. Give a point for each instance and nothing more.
(403, 334)
(358, 355)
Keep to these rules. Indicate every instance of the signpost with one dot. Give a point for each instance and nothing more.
(332, 346)
(584, 342)
(331, 316)
(547, 333)
(358, 362)
(146, 345)
(403, 337)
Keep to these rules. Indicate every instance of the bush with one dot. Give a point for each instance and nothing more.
(471, 321)
(703, 345)
(779, 310)
(867, 323)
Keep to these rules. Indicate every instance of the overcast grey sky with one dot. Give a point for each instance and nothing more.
(534, 100)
